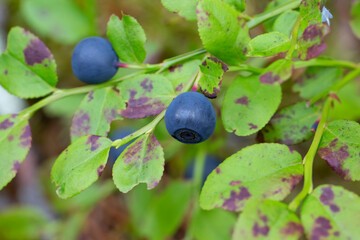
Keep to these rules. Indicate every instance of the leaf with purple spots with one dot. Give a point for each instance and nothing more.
(222, 31)
(260, 171)
(268, 219)
(340, 147)
(96, 112)
(141, 162)
(315, 80)
(27, 68)
(180, 75)
(80, 165)
(146, 95)
(268, 44)
(212, 71)
(310, 13)
(277, 72)
(291, 125)
(15, 143)
(249, 105)
(127, 38)
(331, 212)
(311, 44)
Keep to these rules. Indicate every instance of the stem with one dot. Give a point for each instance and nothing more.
(294, 37)
(245, 67)
(309, 158)
(325, 62)
(336, 87)
(146, 129)
(61, 93)
(172, 61)
(276, 11)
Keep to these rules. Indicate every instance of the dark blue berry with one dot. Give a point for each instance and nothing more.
(94, 60)
(190, 118)
(118, 134)
(211, 162)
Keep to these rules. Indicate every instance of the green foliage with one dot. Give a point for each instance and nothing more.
(355, 19)
(141, 162)
(292, 124)
(212, 70)
(21, 223)
(80, 165)
(310, 13)
(248, 105)
(277, 72)
(127, 38)
(268, 44)
(315, 80)
(158, 215)
(285, 22)
(268, 219)
(340, 146)
(222, 31)
(185, 8)
(27, 68)
(48, 19)
(268, 171)
(330, 213)
(205, 224)
(96, 112)
(15, 142)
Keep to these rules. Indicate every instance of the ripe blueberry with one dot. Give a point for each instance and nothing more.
(94, 60)
(118, 134)
(190, 118)
(211, 162)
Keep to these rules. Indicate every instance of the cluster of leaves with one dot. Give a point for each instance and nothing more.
(253, 180)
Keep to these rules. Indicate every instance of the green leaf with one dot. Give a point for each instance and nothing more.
(259, 171)
(185, 8)
(268, 219)
(157, 215)
(19, 223)
(47, 18)
(237, 4)
(355, 19)
(212, 70)
(340, 147)
(223, 33)
(310, 13)
(349, 107)
(65, 107)
(146, 95)
(15, 142)
(331, 212)
(268, 44)
(248, 105)
(311, 44)
(127, 38)
(277, 72)
(180, 75)
(96, 112)
(205, 225)
(292, 125)
(285, 22)
(272, 5)
(141, 162)
(27, 68)
(315, 80)
(80, 165)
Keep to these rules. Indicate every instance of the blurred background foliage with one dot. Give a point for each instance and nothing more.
(29, 207)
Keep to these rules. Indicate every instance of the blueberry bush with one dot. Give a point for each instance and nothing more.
(259, 74)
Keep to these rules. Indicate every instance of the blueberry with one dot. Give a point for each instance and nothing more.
(94, 60)
(190, 118)
(119, 134)
(211, 162)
